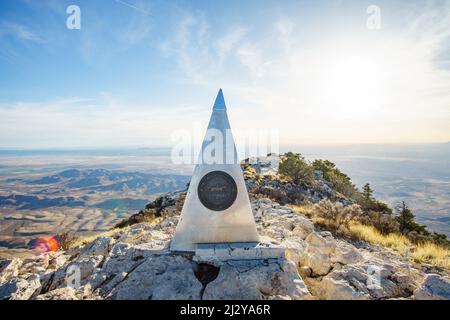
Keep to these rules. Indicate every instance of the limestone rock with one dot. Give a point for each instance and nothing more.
(346, 253)
(87, 265)
(305, 272)
(294, 249)
(318, 252)
(57, 261)
(9, 268)
(255, 280)
(366, 280)
(19, 288)
(304, 227)
(434, 287)
(99, 247)
(66, 293)
(84, 266)
(160, 278)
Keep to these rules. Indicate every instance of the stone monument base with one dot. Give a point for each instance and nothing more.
(217, 252)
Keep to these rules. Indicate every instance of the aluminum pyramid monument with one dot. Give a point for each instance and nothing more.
(217, 207)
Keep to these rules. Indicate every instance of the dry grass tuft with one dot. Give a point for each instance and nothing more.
(306, 209)
(427, 252)
(432, 254)
(394, 241)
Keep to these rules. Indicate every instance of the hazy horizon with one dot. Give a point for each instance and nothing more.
(168, 147)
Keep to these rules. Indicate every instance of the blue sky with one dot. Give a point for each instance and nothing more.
(137, 71)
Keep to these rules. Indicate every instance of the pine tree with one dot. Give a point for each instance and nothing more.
(406, 219)
(367, 192)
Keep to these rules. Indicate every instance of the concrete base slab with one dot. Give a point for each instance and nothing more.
(216, 252)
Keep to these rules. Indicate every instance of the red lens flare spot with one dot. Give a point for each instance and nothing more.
(46, 244)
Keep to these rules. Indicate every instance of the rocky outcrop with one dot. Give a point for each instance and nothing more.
(286, 192)
(9, 269)
(256, 280)
(20, 288)
(433, 287)
(135, 263)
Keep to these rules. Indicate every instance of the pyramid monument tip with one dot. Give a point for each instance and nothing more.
(220, 101)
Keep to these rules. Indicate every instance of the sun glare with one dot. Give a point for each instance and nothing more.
(352, 85)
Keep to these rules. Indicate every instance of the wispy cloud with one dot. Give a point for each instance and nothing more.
(19, 31)
(132, 6)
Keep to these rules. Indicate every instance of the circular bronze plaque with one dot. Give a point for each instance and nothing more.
(217, 190)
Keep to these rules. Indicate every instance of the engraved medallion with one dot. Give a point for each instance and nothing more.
(217, 190)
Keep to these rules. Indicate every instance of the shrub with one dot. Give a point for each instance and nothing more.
(67, 240)
(337, 215)
(383, 222)
(440, 239)
(295, 167)
(340, 181)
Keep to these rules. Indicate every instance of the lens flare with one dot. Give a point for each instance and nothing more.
(46, 244)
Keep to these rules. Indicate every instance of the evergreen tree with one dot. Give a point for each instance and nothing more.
(367, 192)
(406, 220)
(294, 166)
(405, 217)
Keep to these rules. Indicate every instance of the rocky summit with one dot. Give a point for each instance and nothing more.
(135, 263)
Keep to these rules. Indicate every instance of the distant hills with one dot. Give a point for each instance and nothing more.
(79, 188)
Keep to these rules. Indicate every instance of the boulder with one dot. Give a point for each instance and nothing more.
(58, 261)
(83, 267)
(433, 287)
(19, 288)
(99, 247)
(256, 280)
(87, 265)
(317, 255)
(159, 277)
(9, 268)
(303, 227)
(367, 280)
(294, 249)
(329, 288)
(346, 253)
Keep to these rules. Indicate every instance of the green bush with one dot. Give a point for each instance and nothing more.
(295, 167)
(340, 181)
(383, 222)
(336, 213)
